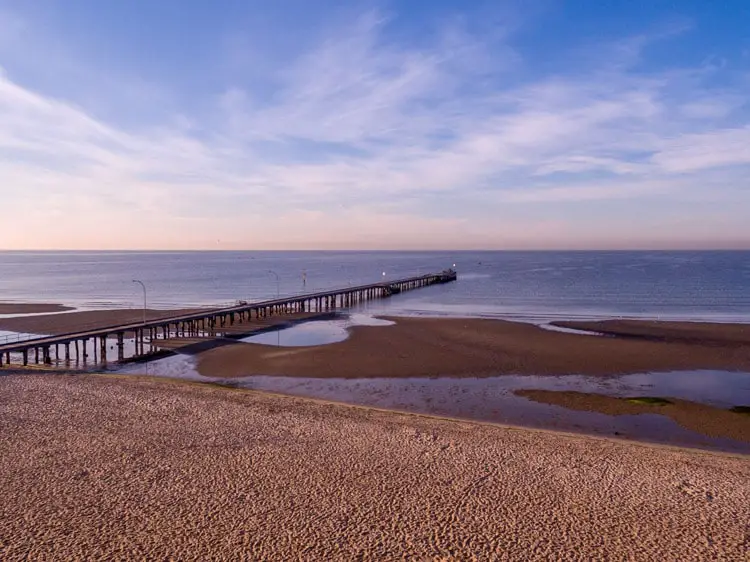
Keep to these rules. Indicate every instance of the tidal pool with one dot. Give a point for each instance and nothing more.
(315, 332)
(492, 399)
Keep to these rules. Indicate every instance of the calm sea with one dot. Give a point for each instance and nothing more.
(525, 285)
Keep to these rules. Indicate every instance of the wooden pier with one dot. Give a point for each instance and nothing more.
(79, 347)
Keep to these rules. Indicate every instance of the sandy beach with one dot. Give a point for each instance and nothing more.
(31, 308)
(422, 347)
(124, 468)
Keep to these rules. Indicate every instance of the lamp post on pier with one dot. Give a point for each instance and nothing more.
(278, 291)
(278, 295)
(144, 297)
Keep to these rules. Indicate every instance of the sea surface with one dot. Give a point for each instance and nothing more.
(537, 286)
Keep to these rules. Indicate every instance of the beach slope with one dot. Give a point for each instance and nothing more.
(121, 468)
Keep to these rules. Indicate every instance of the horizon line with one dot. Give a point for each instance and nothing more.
(434, 250)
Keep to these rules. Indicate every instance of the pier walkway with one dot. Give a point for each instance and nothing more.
(76, 346)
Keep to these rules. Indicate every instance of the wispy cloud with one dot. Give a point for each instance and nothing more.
(347, 143)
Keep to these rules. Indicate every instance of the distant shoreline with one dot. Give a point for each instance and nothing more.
(48, 320)
(449, 346)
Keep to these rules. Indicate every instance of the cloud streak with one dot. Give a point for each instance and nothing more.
(353, 139)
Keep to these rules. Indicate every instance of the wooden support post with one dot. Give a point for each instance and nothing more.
(25, 357)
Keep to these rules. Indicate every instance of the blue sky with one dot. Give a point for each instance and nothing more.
(414, 124)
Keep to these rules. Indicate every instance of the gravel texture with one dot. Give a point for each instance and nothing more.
(117, 468)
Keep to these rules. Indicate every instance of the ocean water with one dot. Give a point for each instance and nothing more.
(535, 286)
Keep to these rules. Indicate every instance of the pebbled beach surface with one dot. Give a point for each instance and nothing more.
(102, 467)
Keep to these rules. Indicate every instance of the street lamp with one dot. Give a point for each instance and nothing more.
(278, 291)
(278, 295)
(144, 297)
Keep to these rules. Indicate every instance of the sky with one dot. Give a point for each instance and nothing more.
(413, 124)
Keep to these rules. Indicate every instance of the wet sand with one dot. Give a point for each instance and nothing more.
(702, 333)
(31, 308)
(54, 324)
(134, 468)
(423, 347)
(707, 420)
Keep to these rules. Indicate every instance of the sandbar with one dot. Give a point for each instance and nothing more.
(701, 418)
(704, 333)
(134, 468)
(53, 324)
(31, 308)
(424, 347)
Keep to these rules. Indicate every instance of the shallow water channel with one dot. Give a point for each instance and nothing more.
(491, 399)
(316, 332)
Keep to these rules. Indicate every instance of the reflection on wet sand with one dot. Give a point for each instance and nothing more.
(492, 399)
(316, 332)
